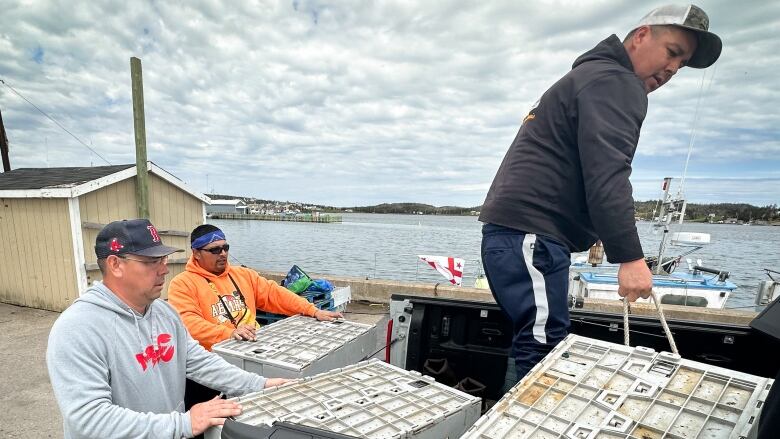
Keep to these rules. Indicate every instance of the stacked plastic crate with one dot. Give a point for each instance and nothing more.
(330, 301)
(590, 389)
(368, 400)
(301, 346)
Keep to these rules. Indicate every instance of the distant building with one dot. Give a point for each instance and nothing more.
(50, 217)
(226, 206)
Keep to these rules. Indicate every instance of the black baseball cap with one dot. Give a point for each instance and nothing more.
(694, 19)
(131, 237)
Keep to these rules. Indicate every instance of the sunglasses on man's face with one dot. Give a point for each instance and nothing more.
(217, 250)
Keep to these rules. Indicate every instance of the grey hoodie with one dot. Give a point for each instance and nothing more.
(120, 374)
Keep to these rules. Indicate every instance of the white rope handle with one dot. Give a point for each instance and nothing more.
(661, 316)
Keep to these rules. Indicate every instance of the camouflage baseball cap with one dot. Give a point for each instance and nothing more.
(693, 18)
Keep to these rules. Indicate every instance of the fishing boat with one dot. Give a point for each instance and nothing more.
(691, 288)
(695, 286)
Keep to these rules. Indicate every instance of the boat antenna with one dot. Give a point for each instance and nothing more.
(694, 126)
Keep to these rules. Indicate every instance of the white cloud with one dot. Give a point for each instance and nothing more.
(351, 103)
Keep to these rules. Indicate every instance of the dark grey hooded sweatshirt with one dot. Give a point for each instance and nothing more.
(565, 175)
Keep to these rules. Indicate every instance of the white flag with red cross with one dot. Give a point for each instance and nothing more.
(451, 268)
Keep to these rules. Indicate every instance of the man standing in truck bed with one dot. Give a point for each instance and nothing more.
(564, 183)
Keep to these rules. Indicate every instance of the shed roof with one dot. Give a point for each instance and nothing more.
(40, 178)
(70, 182)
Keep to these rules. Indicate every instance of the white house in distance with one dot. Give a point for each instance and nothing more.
(226, 206)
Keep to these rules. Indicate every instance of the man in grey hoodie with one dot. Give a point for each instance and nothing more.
(118, 357)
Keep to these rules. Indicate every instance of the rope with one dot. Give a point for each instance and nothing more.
(694, 125)
(625, 322)
(55, 121)
(661, 317)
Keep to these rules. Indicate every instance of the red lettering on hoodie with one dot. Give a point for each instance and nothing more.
(162, 352)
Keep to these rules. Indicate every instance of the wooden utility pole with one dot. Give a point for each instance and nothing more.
(142, 176)
(4, 146)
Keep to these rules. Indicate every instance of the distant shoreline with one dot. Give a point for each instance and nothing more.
(714, 213)
(776, 223)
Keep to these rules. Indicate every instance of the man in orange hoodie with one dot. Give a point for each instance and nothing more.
(218, 301)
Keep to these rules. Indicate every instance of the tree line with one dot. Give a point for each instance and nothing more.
(416, 208)
(644, 210)
(715, 212)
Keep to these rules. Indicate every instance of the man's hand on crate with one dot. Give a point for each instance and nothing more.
(323, 315)
(635, 280)
(213, 412)
(273, 382)
(244, 332)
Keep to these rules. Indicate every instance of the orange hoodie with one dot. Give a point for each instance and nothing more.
(204, 315)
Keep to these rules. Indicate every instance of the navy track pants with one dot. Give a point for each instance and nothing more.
(528, 275)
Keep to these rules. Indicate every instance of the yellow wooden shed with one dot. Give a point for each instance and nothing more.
(50, 217)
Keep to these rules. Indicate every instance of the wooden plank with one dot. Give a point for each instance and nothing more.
(92, 266)
(112, 195)
(88, 203)
(70, 290)
(139, 125)
(41, 251)
(47, 251)
(173, 233)
(63, 274)
(89, 212)
(156, 207)
(12, 264)
(99, 226)
(126, 204)
(104, 216)
(168, 204)
(183, 216)
(6, 248)
(86, 234)
(26, 291)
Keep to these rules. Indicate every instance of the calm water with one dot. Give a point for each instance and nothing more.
(386, 247)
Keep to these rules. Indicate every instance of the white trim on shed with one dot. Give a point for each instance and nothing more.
(93, 185)
(74, 212)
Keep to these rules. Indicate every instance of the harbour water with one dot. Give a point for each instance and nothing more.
(386, 247)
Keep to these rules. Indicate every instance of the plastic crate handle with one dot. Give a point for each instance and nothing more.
(661, 317)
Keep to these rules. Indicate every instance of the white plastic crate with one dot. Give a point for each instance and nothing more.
(372, 400)
(590, 389)
(301, 346)
(341, 297)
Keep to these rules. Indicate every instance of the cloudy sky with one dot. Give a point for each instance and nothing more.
(361, 102)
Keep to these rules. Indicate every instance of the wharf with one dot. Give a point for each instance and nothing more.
(292, 218)
(380, 291)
